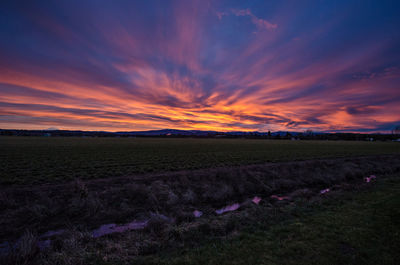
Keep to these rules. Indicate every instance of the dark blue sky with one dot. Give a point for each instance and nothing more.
(219, 65)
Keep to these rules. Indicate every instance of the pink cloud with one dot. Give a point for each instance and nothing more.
(242, 12)
(221, 14)
(260, 23)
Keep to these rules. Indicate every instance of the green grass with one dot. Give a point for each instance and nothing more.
(39, 159)
(361, 230)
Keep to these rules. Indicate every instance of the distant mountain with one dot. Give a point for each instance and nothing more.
(284, 133)
(51, 129)
(167, 132)
(163, 132)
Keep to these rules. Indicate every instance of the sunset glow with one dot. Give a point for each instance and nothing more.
(207, 65)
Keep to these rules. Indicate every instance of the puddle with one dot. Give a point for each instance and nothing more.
(134, 225)
(325, 191)
(163, 217)
(279, 198)
(197, 213)
(228, 208)
(256, 200)
(370, 178)
(113, 228)
(44, 244)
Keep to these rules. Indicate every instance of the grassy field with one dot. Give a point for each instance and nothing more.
(360, 229)
(39, 159)
(354, 223)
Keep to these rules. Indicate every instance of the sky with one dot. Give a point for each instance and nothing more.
(331, 66)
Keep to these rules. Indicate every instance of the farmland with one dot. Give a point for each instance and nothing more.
(58, 191)
(28, 160)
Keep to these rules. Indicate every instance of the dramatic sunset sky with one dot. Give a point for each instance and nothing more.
(208, 65)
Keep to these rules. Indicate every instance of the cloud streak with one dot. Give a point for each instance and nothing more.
(260, 23)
